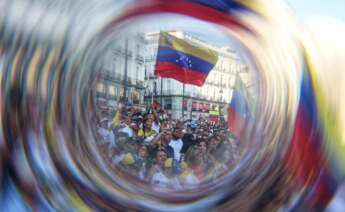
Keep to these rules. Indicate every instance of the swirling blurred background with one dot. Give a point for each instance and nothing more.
(183, 105)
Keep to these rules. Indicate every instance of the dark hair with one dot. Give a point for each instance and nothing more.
(160, 150)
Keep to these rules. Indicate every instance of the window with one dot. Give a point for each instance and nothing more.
(112, 90)
(135, 97)
(100, 87)
(168, 104)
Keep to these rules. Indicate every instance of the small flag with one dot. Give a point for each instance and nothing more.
(214, 116)
(183, 61)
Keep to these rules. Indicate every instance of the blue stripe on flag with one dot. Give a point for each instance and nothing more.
(239, 104)
(184, 60)
(222, 5)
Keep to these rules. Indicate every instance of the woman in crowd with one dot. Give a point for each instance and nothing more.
(157, 165)
(147, 134)
(142, 161)
(167, 178)
(195, 159)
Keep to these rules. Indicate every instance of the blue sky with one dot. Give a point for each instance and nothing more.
(309, 8)
(304, 10)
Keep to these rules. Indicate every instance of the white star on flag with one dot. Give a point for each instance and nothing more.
(185, 60)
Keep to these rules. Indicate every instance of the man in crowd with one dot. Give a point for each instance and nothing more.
(105, 132)
(176, 142)
(188, 139)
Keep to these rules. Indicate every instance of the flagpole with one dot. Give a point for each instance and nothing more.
(161, 97)
(183, 87)
(125, 72)
(220, 100)
(153, 90)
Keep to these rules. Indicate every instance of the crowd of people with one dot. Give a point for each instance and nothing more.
(168, 153)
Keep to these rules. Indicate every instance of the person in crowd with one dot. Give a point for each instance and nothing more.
(147, 134)
(203, 147)
(142, 161)
(121, 149)
(176, 142)
(213, 144)
(162, 143)
(168, 178)
(218, 164)
(156, 120)
(188, 139)
(128, 164)
(125, 126)
(157, 165)
(187, 177)
(196, 162)
(106, 135)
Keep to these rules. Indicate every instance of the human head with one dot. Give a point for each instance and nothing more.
(134, 126)
(130, 145)
(128, 163)
(177, 134)
(143, 151)
(189, 129)
(214, 141)
(203, 147)
(104, 123)
(194, 156)
(227, 156)
(167, 136)
(149, 116)
(148, 123)
(161, 156)
(128, 120)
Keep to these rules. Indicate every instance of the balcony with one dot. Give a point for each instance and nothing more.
(139, 59)
(140, 84)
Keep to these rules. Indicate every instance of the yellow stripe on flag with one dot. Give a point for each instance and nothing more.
(178, 44)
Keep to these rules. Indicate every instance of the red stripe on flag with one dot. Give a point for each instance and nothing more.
(199, 11)
(306, 161)
(236, 123)
(184, 75)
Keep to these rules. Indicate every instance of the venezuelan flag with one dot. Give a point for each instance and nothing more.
(214, 116)
(307, 160)
(183, 61)
(240, 109)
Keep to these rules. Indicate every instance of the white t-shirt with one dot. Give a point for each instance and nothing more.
(148, 140)
(156, 127)
(161, 180)
(116, 159)
(127, 130)
(107, 135)
(191, 179)
(177, 146)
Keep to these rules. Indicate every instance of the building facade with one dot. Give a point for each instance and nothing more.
(122, 72)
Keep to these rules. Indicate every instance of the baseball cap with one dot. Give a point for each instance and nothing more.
(128, 159)
(168, 163)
